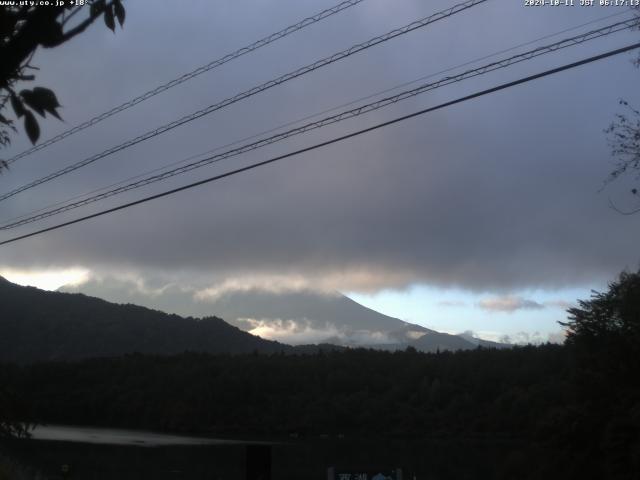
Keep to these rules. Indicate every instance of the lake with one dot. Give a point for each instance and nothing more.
(108, 436)
(106, 454)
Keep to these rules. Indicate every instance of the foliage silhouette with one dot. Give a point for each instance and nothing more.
(624, 141)
(24, 28)
(611, 317)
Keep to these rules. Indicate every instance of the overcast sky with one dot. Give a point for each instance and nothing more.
(487, 215)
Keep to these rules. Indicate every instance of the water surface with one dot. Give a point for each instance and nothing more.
(109, 436)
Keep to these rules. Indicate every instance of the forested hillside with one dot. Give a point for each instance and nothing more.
(36, 325)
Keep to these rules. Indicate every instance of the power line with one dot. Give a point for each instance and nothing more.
(309, 117)
(253, 91)
(194, 73)
(332, 141)
(336, 118)
(355, 112)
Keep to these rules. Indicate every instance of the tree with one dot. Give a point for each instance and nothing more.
(624, 140)
(24, 28)
(610, 321)
(604, 336)
(603, 333)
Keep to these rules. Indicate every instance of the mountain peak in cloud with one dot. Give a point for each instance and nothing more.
(295, 317)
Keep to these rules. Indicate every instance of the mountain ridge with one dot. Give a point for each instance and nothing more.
(294, 317)
(38, 325)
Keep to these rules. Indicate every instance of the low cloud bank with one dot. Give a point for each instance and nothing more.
(509, 304)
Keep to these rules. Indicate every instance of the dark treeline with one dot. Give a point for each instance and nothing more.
(543, 396)
(358, 391)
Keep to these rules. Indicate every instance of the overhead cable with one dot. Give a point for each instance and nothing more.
(355, 112)
(253, 91)
(309, 117)
(188, 76)
(330, 142)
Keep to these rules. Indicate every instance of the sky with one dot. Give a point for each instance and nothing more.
(488, 216)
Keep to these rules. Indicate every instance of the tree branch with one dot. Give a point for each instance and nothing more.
(81, 27)
(620, 211)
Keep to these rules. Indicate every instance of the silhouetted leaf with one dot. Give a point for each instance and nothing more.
(41, 100)
(32, 101)
(31, 126)
(119, 10)
(49, 98)
(17, 106)
(109, 20)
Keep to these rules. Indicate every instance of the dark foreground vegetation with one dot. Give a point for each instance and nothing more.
(539, 397)
(516, 392)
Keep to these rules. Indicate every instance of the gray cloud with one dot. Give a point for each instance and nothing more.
(303, 331)
(294, 332)
(495, 194)
(533, 338)
(558, 337)
(509, 304)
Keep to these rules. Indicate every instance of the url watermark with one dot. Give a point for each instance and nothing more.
(42, 3)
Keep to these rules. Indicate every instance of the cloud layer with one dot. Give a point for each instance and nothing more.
(509, 304)
(491, 195)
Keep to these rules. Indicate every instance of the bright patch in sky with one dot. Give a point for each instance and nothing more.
(488, 315)
(46, 279)
(523, 316)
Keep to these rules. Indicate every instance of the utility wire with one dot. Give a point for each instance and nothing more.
(188, 76)
(309, 117)
(355, 112)
(334, 140)
(253, 91)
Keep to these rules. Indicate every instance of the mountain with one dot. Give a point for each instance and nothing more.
(37, 325)
(293, 317)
